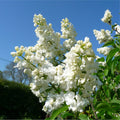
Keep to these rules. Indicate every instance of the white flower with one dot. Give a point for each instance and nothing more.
(103, 36)
(39, 20)
(76, 102)
(107, 17)
(13, 54)
(67, 29)
(68, 44)
(101, 63)
(53, 102)
(117, 28)
(104, 50)
(70, 100)
(17, 59)
(48, 107)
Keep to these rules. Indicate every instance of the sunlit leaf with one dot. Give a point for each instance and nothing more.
(111, 54)
(83, 117)
(108, 43)
(115, 101)
(100, 59)
(58, 111)
(106, 72)
(113, 64)
(104, 107)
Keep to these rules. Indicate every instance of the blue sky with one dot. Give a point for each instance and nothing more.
(16, 20)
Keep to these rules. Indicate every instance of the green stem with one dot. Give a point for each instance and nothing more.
(28, 61)
(55, 88)
(93, 111)
(60, 117)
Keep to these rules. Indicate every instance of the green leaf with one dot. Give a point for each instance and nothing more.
(111, 54)
(117, 118)
(114, 26)
(104, 107)
(101, 76)
(47, 119)
(106, 71)
(67, 114)
(113, 64)
(101, 115)
(108, 93)
(100, 59)
(112, 31)
(117, 35)
(58, 111)
(115, 107)
(109, 43)
(115, 101)
(117, 45)
(117, 79)
(83, 117)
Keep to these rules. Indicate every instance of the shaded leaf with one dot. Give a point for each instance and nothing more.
(117, 35)
(115, 107)
(117, 45)
(114, 26)
(117, 79)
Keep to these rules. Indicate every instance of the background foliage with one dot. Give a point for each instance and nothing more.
(18, 102)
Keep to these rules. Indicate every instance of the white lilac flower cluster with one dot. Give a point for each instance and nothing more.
(62, 74)
(104, 50)
(107, 17)
(68, 33)
(104, 36)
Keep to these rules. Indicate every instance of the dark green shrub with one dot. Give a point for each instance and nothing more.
(18, 102)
